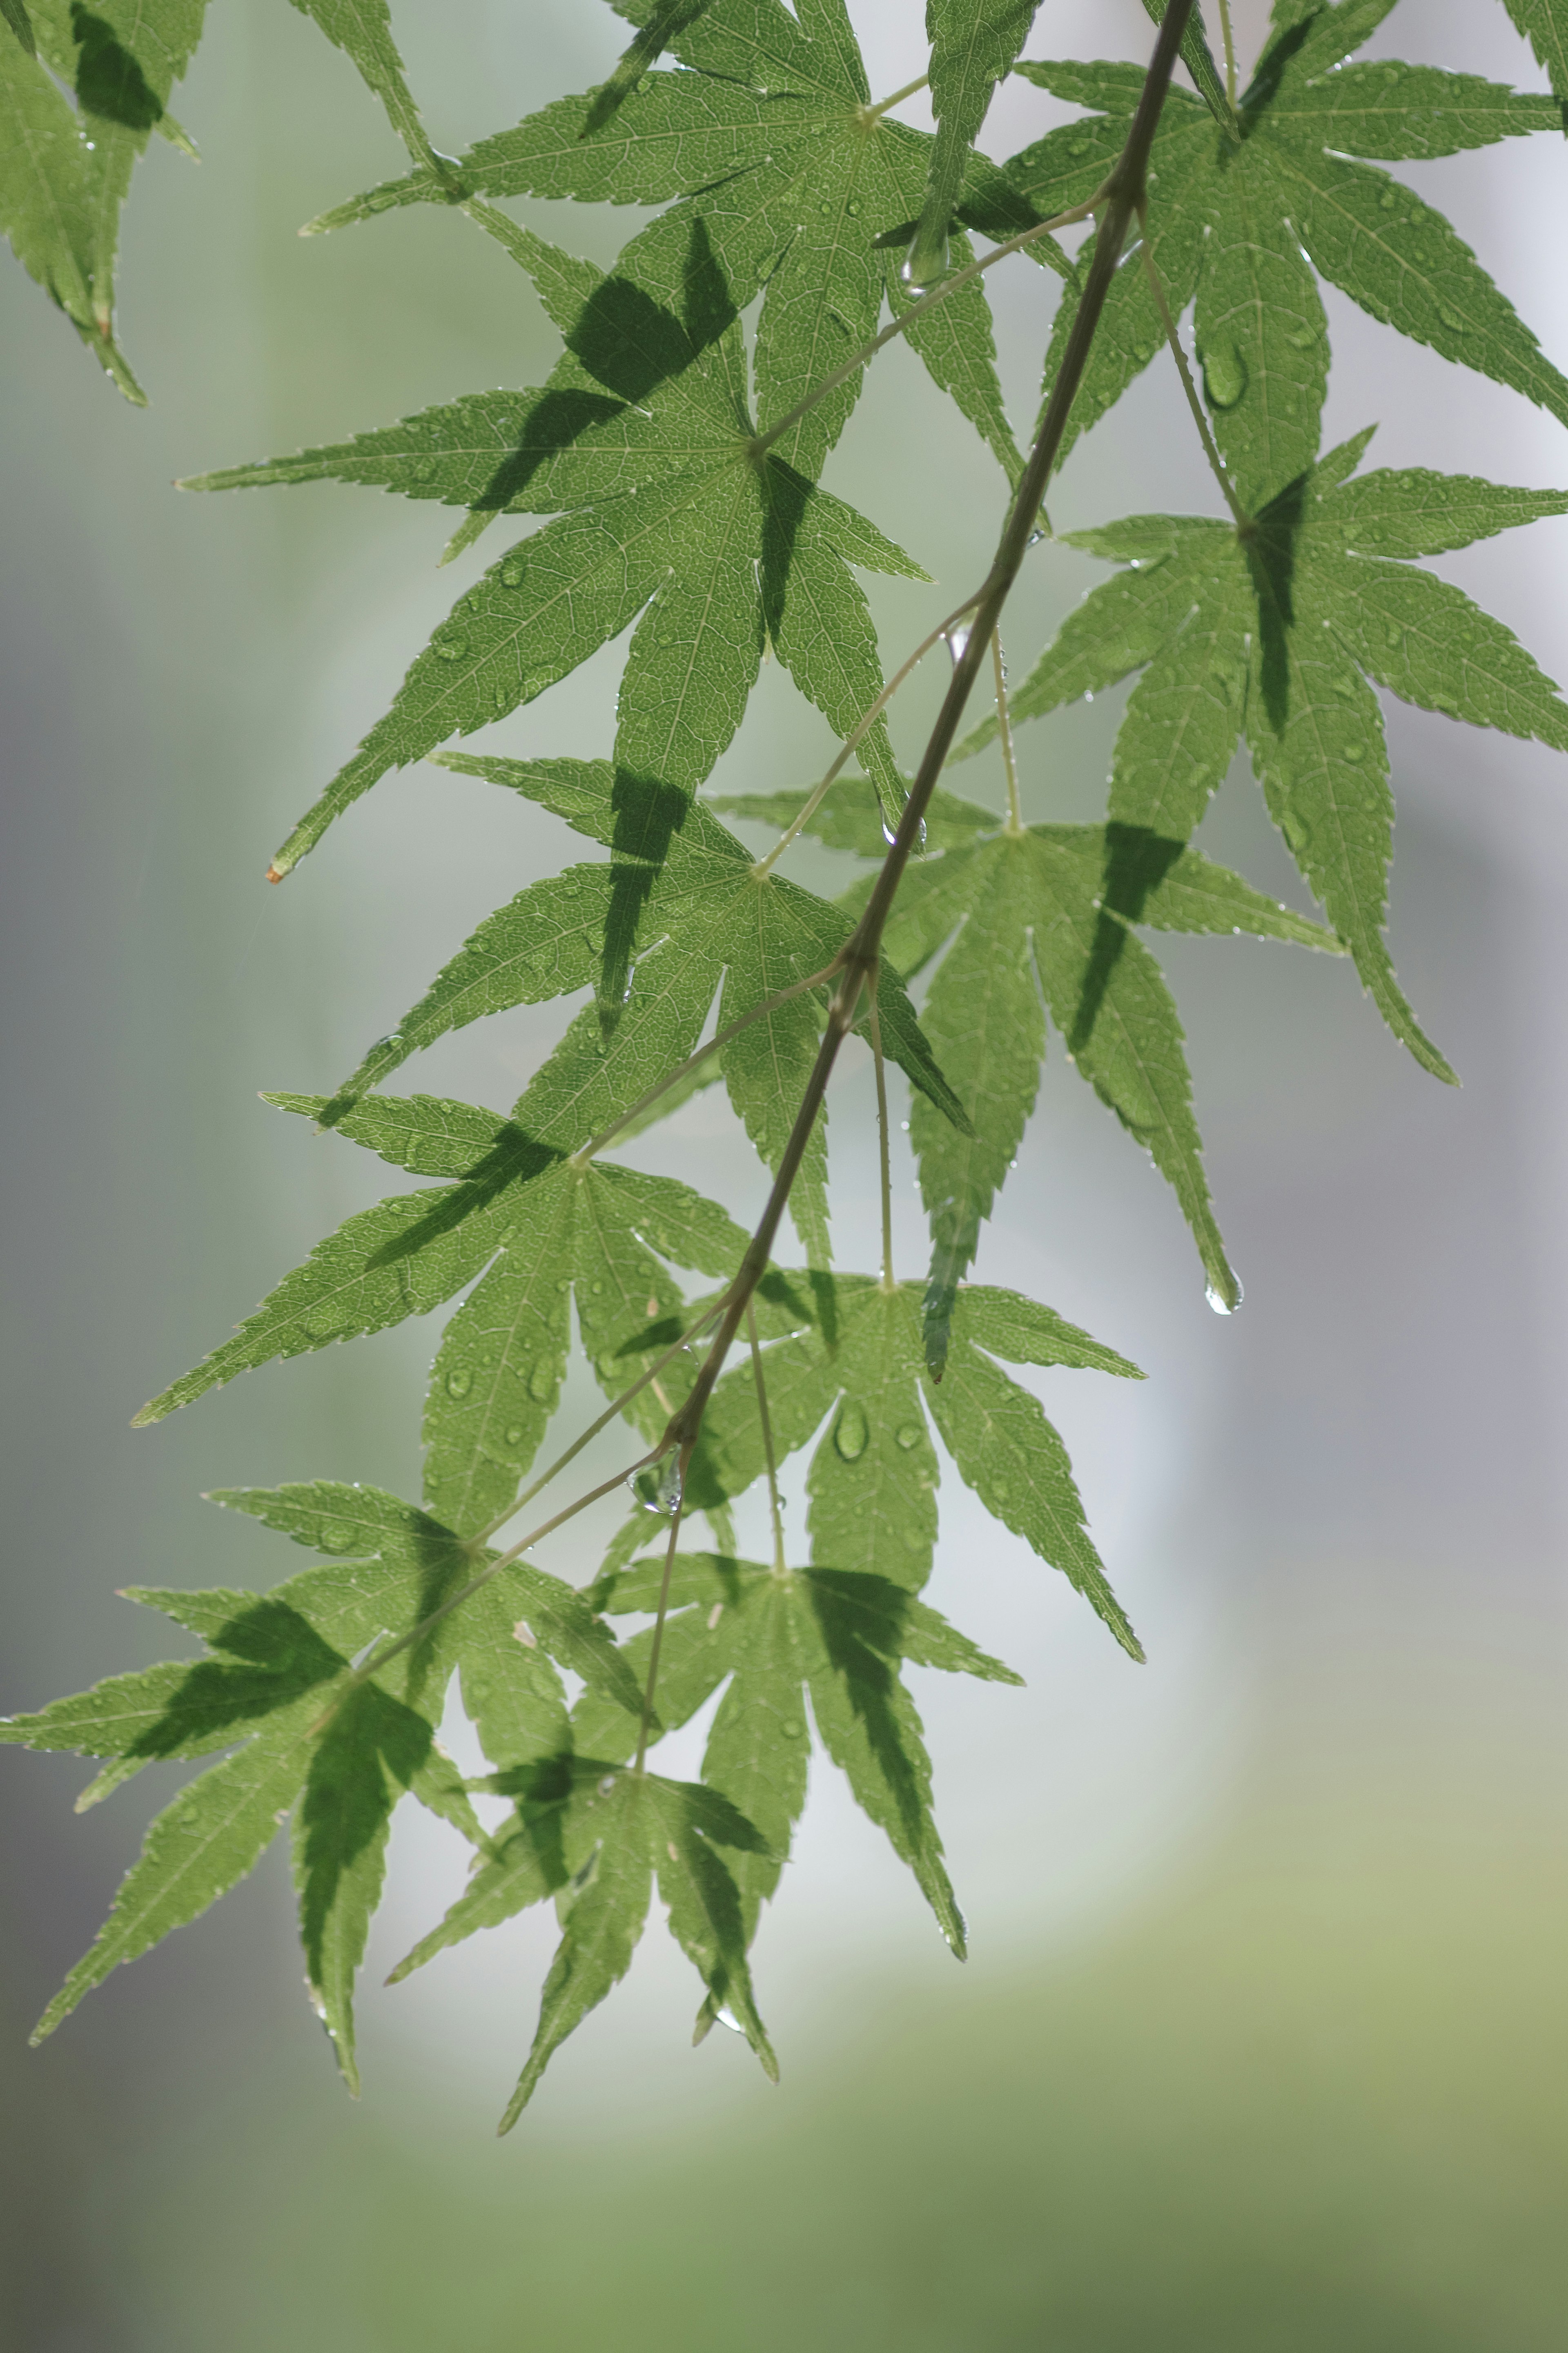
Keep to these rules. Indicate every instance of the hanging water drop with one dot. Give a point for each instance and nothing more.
(1219, 1302)
(957, 640)
(1224, 376)
(665, 1498)
(852, 1432)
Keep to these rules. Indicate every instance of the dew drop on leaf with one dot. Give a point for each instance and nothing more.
(453, 648)
(542, 1385)
(459, 1381)
(336, 1538)
(908, 1436)
(1224, 376)
(514, 1435)
(792, 1727)
(1452, 320)
(1219, 1301)
(852, 1432)
(510, 573)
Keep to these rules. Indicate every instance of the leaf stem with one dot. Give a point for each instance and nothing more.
(883, 1134)
(1122, 194)
(875, 113)
(950, 285)
(379, 1659)
(1014, 825)
(657, 1642)
(1211, 450)
(580, 1158)
(819, 793)
(602, 1422)
(1229, 40)
(774, 1505)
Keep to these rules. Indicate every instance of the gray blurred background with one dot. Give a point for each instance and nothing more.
(1262, 2041)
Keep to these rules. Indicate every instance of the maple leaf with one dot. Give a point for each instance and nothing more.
(597, 1838)
(1231, 214)
(1035, 920)
(844, 1366)
(774, 1637)
(310, 1737)
(1281, 632)
(670, 516)
(804, 189)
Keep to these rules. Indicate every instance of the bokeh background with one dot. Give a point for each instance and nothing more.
(1262, 2042)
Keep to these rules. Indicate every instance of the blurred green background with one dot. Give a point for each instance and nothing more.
(1262, 2043)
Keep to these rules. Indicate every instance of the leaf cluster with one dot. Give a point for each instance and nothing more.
(664, 485)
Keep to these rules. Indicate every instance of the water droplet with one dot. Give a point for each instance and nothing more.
(1303, 339)
(1224, 376)
(607, 1785)
(459, 1381)
(726, 2017)
(665, 1498)
(1297, 832)
(957, 640)
(1354, 753)
(1387, 200)
(510, 573)
(853, 205)
(542, 1385)
(852, 1432)
(452, 648)
(715, 1615)
(908, 1436)
(523, 1633)
(336, 1538)
(563, 1282)
(1002, 1490)
(1451, 318)
(793, 1728)
(1219, 1301)
(1034, 538)
(514, 1435)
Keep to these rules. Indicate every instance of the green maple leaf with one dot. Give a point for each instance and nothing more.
(669, 517)
(540, 1226)
(597, 1838)
(1281, 633)
(844, 1366)
(310, 1741)
(803, 188)
(677, 918)
(1230, 216)
(775, 1638)
(1544, 24)
(64, 171)
(1042, 920)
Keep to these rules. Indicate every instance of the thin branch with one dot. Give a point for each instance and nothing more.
(580, 1158)
(1122, 194)
(950, 285)
(1211, 450)
(875, 1026)
(774, 1504)
(1015, 824)
(657, 1642)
